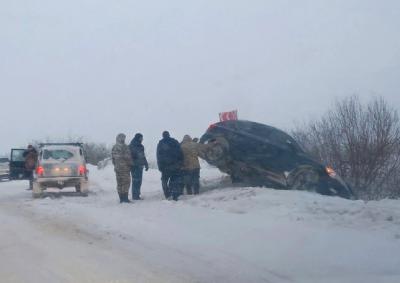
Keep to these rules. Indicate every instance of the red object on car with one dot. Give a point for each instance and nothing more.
(227, 116)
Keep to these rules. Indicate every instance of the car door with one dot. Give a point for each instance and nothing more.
(17, 164)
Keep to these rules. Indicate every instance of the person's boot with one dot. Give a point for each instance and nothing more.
(121, 199)
(167, 193)
(196, 187)
(135, 195)
(126, 199)
(30, 185)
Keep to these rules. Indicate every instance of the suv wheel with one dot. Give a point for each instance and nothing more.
(83, 187)
(37, 190)
(216, 150)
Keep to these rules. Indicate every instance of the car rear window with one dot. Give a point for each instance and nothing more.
(17, 155)
(4, 160)
(57, 154)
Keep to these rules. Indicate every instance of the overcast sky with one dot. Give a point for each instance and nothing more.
(95, 68)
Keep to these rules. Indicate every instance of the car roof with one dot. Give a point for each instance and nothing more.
(60, 147)
(244, 125)
(78, 144)
(255, 128)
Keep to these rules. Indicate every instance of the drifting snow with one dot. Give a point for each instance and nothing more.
(224, 235)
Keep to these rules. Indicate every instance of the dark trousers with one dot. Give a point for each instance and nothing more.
(29, 176)
(171, 184)
(192, 181)
(137, 177)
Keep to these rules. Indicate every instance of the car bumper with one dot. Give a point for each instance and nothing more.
(60, 182)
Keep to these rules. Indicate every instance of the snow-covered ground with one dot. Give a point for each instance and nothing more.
(224, 235)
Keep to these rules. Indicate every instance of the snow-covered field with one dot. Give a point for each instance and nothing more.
(223, 235)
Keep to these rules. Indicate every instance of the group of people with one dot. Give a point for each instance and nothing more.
(178, 163)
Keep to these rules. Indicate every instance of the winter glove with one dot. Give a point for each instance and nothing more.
(147, 168)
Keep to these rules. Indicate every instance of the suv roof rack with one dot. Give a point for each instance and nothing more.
(80, 144)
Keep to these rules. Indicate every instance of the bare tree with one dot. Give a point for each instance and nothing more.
(362, 142)
(96, 152)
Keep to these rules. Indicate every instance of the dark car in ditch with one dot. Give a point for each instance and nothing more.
(261, 155)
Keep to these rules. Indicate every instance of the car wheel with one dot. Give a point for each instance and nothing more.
(236, 179)
(37, 190)
(336, 189)
(216, 150)
(83, 187)
(304, 178)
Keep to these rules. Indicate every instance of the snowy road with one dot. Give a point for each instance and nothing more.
(226, 235)
(36, 251)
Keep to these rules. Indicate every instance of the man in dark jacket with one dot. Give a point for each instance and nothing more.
(31, 158)
(139, 162)
(170, 163)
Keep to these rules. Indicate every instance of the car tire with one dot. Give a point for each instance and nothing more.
(37, 190)
(336, 190)
(83, 187)
(216, 150)
(304, 178)
(236, 179)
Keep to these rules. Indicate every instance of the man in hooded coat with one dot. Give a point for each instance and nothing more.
(122, 160)
(31, 159)
(191, 165)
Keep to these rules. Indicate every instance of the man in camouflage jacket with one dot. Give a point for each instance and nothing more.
(122, 160)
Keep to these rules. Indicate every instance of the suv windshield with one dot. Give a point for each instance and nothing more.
(57, 154)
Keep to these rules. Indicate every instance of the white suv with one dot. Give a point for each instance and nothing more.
(60, 165)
